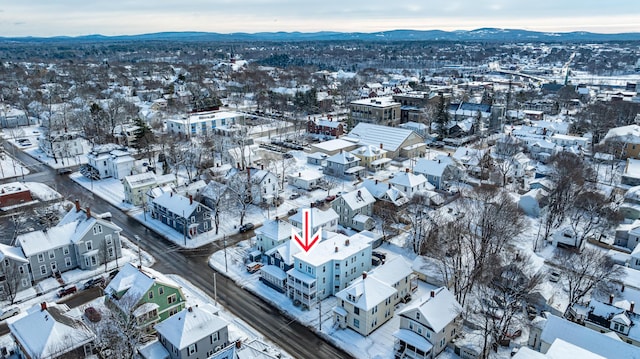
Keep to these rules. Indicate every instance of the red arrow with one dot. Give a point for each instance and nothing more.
(308, 243)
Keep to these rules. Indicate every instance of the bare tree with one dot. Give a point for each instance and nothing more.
(586, 272)
(240, 186)
(591, 211)
(10, 279)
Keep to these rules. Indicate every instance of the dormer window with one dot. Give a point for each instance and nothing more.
(418, 316)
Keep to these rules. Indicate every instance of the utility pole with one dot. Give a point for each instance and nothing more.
(215, 289)
(225, 253)
(319, 314)
(137, 237)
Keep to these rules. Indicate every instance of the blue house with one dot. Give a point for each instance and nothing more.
(279, 260)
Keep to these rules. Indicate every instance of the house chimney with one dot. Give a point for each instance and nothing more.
(277, 218)
(336, 249)
(190, 199)
(364, 275)
(238, 165)
(406, 170)
(299, 174)
(632, 307)
(433, 294)
(171, 194)
(389, 186)
(346, 242)
(88, 210)
(43, 306)
(238, 344)
(376, 181)
(438, 160)
(381, 146)
(622, 289)
(261, 167)
(77, 205)
(611, 299)
(190, 309)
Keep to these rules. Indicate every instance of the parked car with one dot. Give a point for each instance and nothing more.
(92, 314)
(253, 267)
(292, 211)
(294, 196)
(246, 227)
(9, 312)
(99, 282)
(113, 273)
(67, 291)
(554, 276)
(64, 170)
(330, 198)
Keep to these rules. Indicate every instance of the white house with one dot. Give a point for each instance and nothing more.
(307, 179)
(272, 234)
(327, 220)
(411, 184)
(428, 325)
(370, 301)
(265, 186)
(111, 161)
(385, 192)
(202, 123)
(328, 268)
(59, 145)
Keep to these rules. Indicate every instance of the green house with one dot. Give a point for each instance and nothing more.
(145, 296)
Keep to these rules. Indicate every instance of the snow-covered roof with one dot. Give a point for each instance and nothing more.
(41, 241)
(384, 101)
(366, 293)
(469, 156)
(274, 271)
(385, 191)
(369, 151)
(318, 217)
(413, 339)
(343, 158)
(438, 310)
(391, 138)
(632, 169)
(180, 205)
(588, 339)
(50, 333)
(334, 145)
(358, 198)
(141, 179)
(408, 179)
(13, 253)
(430, 167)
(275, 229)
(325, 251)
(392, 271)
(626, 134)
(189, 326)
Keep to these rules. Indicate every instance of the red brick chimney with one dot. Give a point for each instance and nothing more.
(238, 344)
(632, 307)
(406, 170)
(190, 199)
(364, 275)
(190, 309)
(88, 210)
(77, 205)
(433, 294)
(43, 306)
(381, 146)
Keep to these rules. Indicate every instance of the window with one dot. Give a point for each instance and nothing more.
(192, 349)
(214, 337)
(97, 229)
(356, 310)
(54, 266)
(25, 282)
(52, 254)
(193, 219)
(40, 257)
(65, 250)
(150, 295)
(108, 239)
(206, 225)
(21, 269)
(43, 269)
(418, 315)
(171, 299)
(67, 261)
(89, 245)
(111, 252)
(356, 323)
(160, 290)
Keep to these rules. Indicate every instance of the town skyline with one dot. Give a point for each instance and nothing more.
(70, 18)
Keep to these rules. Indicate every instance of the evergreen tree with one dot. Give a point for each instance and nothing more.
(442, 118)
(144, 138)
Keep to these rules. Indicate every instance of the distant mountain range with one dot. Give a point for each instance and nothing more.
(484, 34)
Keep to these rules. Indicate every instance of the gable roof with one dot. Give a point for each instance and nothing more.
(392, 271)
(385, 191)
(358, 198)
(626, 134)
(391, 138)
(589, 339)
(50, 332)
(430, 167)
(189, 326)
(318, 217)
(437, 310)
(286, 251)
(180, 205)
(13, 253)
(343, 158)
(275, 229)
(366, 293)
(409, 179)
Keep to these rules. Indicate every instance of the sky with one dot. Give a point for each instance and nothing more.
(129, 17)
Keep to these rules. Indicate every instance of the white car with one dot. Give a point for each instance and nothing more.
(9, 312)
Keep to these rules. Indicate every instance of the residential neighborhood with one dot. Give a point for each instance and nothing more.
(320, 198)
